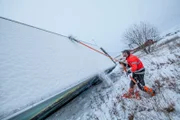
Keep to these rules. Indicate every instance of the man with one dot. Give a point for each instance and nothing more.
(136, 73)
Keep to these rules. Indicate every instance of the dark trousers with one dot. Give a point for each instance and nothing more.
(139, 78)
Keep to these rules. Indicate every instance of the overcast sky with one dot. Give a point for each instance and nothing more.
(101, 20)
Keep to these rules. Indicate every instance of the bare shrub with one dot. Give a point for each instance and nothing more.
(142, 35)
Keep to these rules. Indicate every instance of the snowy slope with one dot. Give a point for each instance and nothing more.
(103, 102)
(171, 31)
(36, 64)
(167, 35)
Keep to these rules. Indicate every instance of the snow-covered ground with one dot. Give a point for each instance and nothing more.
(36, 64)
(104, 102)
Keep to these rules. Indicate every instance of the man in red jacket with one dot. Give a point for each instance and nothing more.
(136, 72)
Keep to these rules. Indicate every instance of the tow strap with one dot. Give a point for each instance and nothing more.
(105, 54)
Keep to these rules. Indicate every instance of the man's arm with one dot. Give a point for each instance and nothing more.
(122, 63)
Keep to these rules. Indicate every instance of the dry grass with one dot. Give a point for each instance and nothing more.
(131, 117)
(178, 44)
(170, 108)
(158, 84)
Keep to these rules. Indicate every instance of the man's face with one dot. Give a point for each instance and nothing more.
(125, 54)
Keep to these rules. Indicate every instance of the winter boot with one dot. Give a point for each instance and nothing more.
(149, 91)
(137, 95)
(129, 94)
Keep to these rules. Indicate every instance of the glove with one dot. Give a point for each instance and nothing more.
(123, 63)
(128, 72)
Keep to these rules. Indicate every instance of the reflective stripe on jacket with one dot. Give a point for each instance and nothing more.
(135, 63)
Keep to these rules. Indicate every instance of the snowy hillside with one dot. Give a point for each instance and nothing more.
(104, 102)
(174, 32)
(171, 31)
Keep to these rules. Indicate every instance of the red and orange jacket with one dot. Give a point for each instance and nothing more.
(135, 63)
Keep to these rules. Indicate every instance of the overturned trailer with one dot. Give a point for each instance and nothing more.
(41, 70)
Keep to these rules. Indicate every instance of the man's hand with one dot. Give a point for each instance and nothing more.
(128, 72)
(122, 63)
